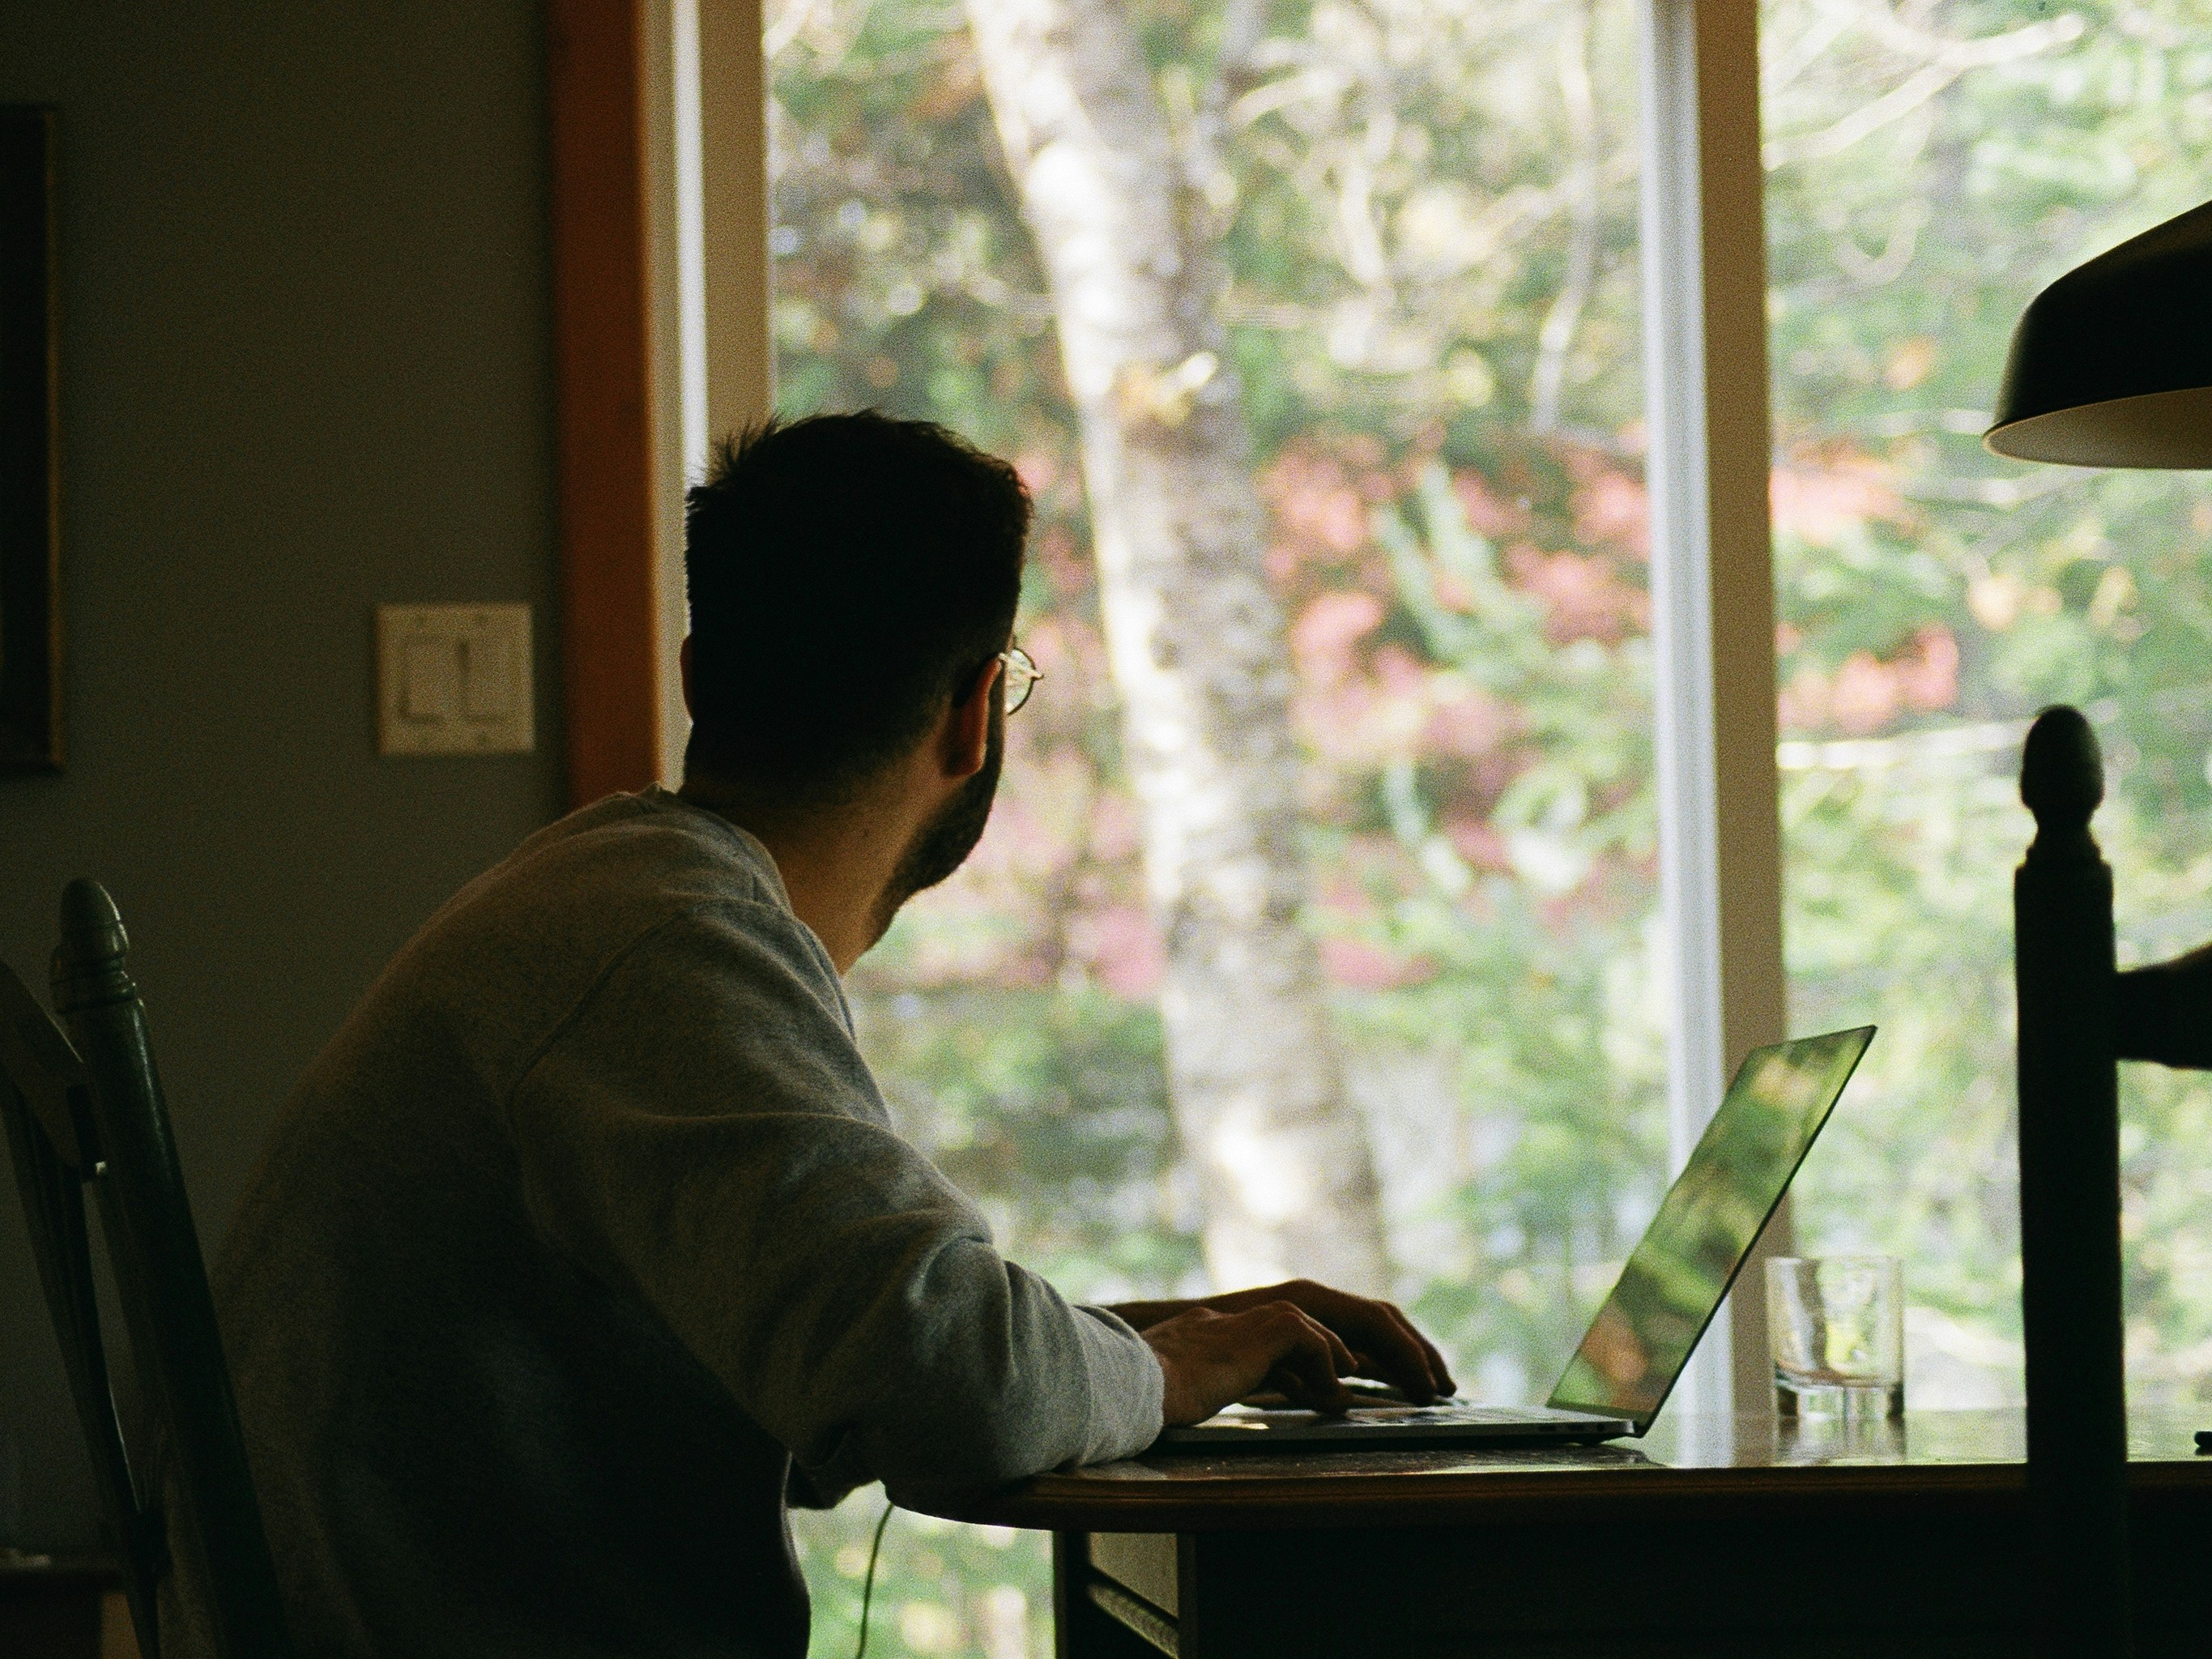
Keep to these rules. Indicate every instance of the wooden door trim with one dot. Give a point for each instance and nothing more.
(604, 396)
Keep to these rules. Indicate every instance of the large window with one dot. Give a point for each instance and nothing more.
(1318, 927)
(1398, 376)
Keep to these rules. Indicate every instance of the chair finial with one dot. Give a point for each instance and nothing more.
(2062, 773)
(88, 967)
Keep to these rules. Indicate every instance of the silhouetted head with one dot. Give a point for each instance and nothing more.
(850, 577)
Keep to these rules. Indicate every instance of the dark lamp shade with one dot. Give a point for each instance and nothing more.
(2111, 364)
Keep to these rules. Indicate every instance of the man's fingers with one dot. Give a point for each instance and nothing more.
(1410, 1333)
(1413, 1360)
(1287, 1324)
(1432, 1362)
(1310, 1357)
(1309, 1370)
(1395, 1352)
(1342, 1361)
(1445, 1382)
(1393, 1348)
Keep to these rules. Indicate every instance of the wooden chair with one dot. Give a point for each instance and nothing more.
(85, 1108)
(2079, 1016)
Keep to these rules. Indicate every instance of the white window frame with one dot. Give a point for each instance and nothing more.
(1703, 249)
(705, 108)
(1704, 305)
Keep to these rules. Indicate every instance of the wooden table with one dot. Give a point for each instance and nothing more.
(1709, 1539)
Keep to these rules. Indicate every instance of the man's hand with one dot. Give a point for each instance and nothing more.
(1298, 1337)
(1209, 1360)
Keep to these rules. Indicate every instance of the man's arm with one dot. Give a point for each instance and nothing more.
(702, 1136)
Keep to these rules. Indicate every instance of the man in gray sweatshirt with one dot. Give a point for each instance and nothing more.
(588, 1243)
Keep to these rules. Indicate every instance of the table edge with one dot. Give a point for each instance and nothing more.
(1076, 1502)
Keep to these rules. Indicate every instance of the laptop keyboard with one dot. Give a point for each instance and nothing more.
(1455, 1411)
(1373, 1414)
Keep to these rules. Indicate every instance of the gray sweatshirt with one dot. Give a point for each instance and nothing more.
(588, 1238)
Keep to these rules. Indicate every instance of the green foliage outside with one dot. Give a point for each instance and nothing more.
(1428, 215)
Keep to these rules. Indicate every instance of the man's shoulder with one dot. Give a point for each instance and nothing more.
(512, 955)
(651, 849)
(610, 873)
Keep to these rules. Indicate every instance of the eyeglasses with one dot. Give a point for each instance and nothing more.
(1020, 678)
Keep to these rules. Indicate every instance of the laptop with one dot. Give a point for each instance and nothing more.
(1636, 1347)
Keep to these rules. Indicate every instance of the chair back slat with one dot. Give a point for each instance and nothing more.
(86, 1108)
(2069, 1201)
(46, 1072)
(160, 1278)
(38, 1065)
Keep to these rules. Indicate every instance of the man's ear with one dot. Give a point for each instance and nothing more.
(968, 730)
(684, 670)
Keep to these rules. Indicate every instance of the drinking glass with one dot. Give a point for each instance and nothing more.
(1836, 1327)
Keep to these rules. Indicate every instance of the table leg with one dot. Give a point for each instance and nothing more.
(1084, 1628)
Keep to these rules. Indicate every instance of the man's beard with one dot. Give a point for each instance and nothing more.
(943, 844)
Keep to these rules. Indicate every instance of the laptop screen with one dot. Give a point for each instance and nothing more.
(1676, 1276)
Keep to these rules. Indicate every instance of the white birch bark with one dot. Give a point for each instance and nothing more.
(1197, 644)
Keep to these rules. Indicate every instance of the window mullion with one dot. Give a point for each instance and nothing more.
(1712, 595)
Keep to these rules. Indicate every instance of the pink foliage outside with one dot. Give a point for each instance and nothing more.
(1865, 693)
(1471, 726)
(1122, 949)
(1324, 635)
(1478, 843)
(1040, 470)
(1358, 725)
(1612, 509)
(1065, 561)
(1583, 598)
(1821, 503)
(1488, 513)
(1361, 966)
(1317, 505)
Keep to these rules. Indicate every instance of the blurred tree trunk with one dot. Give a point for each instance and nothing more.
(1196, 640)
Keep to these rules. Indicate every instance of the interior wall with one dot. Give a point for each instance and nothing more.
(305, 367)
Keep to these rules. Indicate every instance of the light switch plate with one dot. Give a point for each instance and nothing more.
(454, 679)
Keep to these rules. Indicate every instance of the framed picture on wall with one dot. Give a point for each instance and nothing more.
(30, 477)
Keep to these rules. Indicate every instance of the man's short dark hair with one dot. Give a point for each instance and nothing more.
(849, 575)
